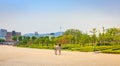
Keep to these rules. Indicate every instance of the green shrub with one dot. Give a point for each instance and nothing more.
(77, 47)
(100, 48)
(68, 46)
(83, 49)
(116, 47)
(111, 51)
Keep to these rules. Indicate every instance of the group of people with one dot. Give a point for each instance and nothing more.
(57, 49)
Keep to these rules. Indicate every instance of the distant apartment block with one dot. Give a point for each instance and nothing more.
(11, 34)
(36, 34)
(18, 33)
(3, 33)
(7, 36)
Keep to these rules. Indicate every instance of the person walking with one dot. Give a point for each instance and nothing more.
(57, 48)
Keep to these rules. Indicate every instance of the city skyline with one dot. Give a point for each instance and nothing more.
(45, 16)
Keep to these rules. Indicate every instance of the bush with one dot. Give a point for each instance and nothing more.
(100, 48)
(66, 48)
(69, 46)
(116, 48)
(76, 47)
(111, 51)
(83, 49)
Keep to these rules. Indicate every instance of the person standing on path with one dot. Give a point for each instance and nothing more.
(57, 49)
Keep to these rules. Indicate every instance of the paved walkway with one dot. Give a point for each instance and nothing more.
(14, 56)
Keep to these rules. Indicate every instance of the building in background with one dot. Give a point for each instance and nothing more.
(11, 34)
(7, 36)
(3, 33)
(36, 34)
(18, 33)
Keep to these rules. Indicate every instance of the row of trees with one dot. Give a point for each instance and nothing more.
(109, 36)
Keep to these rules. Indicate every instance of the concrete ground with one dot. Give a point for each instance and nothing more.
(14, 56)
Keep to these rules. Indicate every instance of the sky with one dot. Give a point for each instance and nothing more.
(45, 16)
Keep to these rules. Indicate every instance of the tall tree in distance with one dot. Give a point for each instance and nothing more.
(46, 38)
(20, 38)
(74, 34)
(14, 38)
(94, 37)
(84, 39)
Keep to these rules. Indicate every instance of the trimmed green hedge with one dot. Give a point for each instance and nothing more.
(83, 49)
(111, 51)
(101, 48)
(77, 47)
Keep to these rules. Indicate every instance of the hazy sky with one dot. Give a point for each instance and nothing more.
(46, 16)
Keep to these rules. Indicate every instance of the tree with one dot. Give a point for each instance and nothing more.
(41, 39)
(52, 41)
(14, 38)
(26, 37)
(33, 39)
(94, 37)
(46, 40)
(25, 40)
(75, 35)
(117, 36)
(84, 39)
(110, 37)
(114, 35)
(2, 40)
(70, 39)
(102, 37)
(20, 38)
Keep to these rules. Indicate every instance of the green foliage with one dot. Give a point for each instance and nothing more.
(83, 49)
(68, 46)
(73, 35)
(39, 46)
(111, 51)
(14, 38)
(75, 40)
(117, 47)
(84, 39)
(101, 48)
(2, 40)
(77, 47)
(20, 38)
(33, 38)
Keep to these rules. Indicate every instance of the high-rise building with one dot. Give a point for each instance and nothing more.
(36, 34)
(13, 33)
(18, 33)
(3, 33)
(9, 36)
